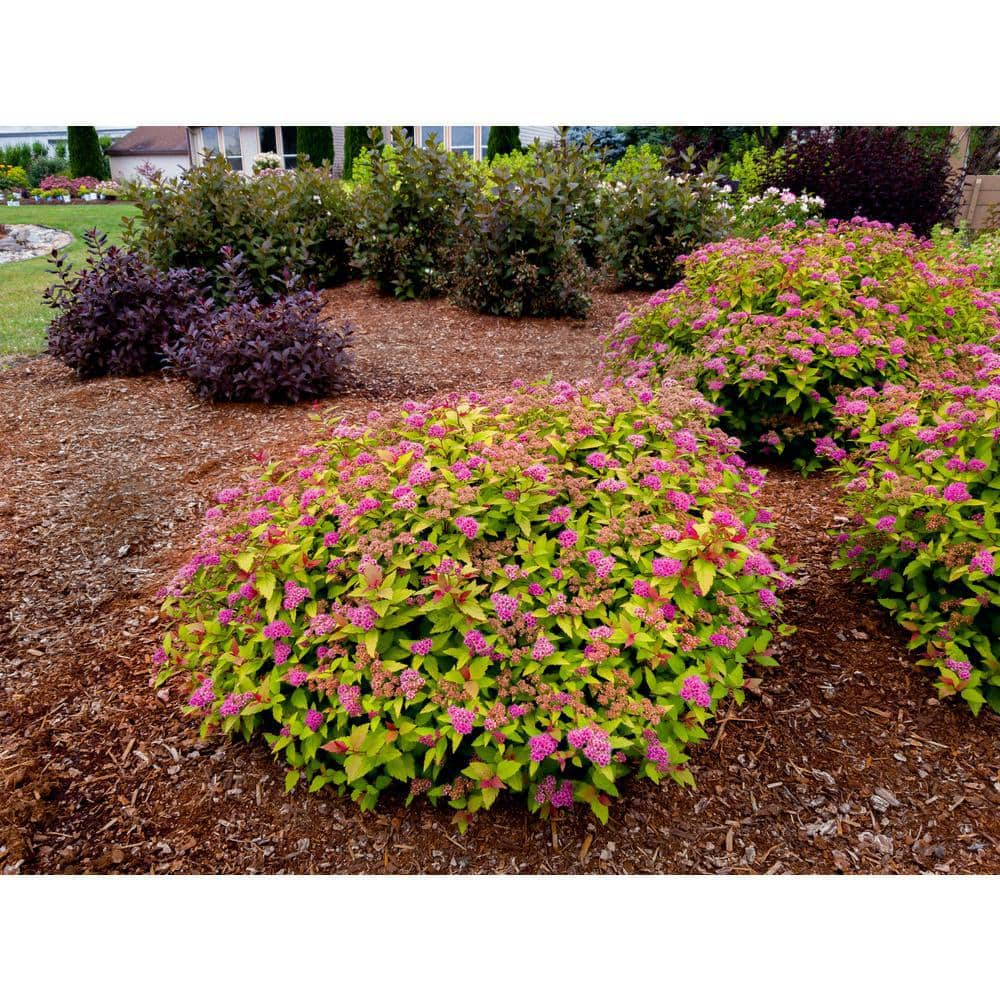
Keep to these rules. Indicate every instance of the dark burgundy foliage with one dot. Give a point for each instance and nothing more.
(119, 314)
(879, 173)
(275, 352)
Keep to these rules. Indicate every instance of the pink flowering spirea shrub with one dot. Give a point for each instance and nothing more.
(459, 661)
(779, 326)
(922, 486)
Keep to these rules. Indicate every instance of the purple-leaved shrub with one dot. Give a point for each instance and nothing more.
(119, 315)
(544, 590)
(278, 351)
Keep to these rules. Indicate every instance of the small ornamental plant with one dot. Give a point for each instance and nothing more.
(922, 487)
(773, 207)
(781, 326)
(544, 591)
(119, 315)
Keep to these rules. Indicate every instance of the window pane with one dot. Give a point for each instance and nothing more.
(268, 139)
(231, 137)
(289, 145)
(462, 136)
(410, 131)
(210, 138)
(485, 131)
(236, 162)
(427, 131)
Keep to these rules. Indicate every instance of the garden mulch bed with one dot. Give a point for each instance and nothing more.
(841, 760)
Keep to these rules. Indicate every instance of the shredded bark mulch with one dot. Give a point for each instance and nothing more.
(841, 760)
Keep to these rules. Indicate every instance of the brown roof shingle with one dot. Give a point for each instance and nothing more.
(151, 139)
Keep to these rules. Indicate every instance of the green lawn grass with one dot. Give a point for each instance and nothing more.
(23, 314)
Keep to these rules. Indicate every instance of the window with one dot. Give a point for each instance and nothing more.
(210, 139)
(463, 140)
(289, 140)
(267, 138)
(484, 140)
(225, 139)
(231, 144)
(427, 131)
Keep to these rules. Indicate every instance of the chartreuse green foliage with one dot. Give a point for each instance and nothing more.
(922, 486)
(780, 326)
(543, 591)
(356, 138)
(963, 246)
(502, 139)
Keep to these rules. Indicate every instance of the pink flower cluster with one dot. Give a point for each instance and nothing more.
(694, 689)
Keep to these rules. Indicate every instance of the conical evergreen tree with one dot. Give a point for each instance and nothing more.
(356, 138)
(316, 142)
(86, 159)
(503, 139)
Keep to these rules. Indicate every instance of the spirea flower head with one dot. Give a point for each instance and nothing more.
(956, 492)
(314, 719)
(469, 526)
(695, 690)
(422, 647)
(542, 746)
(462, 719)
(664, 566)
(982, 562)
(277, 630)
(505, 606)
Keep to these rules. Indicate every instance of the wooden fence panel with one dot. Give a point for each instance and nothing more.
(980, 195)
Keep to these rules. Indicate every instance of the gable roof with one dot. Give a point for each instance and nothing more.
(151, 139)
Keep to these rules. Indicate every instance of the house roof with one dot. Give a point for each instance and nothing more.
(151, 139)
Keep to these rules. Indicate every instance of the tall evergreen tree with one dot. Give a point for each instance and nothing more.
(316, 142)
(356, 138)
(86, 159)
(503, 139)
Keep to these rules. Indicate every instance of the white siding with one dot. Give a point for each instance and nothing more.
(546, 133)
(125, 168)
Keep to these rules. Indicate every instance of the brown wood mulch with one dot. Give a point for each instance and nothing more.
(841, 760)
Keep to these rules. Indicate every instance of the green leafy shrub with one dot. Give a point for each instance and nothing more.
(12, 177)
(780, 326)
(292, 220)
(407, 217)
(922, 486)
(962, 246)
(544, 591)
(41, 167)
(653, 216)
(517, 253)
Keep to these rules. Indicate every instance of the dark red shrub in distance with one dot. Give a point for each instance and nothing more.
(119, 314)
(878, 173)
(275, 352)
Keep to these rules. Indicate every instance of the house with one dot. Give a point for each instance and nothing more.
(240, 144)
(164, 147)
(49, 136)
(175, 148)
